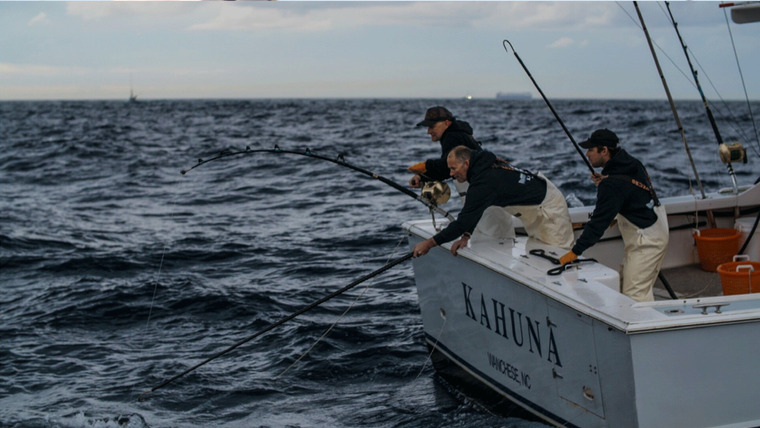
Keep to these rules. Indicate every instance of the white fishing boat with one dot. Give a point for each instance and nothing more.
(572, 350)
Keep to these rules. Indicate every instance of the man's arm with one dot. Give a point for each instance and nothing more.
(609, 200)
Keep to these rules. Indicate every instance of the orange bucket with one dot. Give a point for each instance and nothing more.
(716, 246)
(740, 277)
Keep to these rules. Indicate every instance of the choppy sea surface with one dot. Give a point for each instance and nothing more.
(117, 272)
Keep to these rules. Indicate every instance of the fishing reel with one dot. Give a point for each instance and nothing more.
(437, 192)
(732, 152)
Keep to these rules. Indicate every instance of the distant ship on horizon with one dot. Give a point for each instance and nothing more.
(513, 96)
(132, 95)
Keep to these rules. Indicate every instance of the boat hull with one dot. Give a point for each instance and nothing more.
(573, 351)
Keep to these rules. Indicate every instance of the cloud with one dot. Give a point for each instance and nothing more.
(562, 42)
(337, 15)
(40, 19)
(37, 70)
(234, 17)
(324, 16)
(94, 11)
(26, 69)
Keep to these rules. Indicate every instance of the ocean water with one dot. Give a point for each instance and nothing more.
(118, 272)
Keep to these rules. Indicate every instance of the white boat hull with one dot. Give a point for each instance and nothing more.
(573, 351)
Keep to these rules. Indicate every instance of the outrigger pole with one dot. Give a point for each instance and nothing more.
(546, 100)
(673, 108)
(338, 161)
(702, 94)
(142, 397)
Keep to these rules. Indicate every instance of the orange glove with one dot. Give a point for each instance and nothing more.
(418, 168)
(567, 258)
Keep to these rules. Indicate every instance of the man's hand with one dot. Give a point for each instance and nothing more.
(597, 178)
(423, 247)
(567, 258)
(418, 169)
(462, 243)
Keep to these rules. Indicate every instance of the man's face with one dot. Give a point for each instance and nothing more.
(596, 156)
(457, 169)
(436, 130)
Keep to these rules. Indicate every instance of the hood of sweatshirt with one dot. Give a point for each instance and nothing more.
(480, 161)
(624, 164)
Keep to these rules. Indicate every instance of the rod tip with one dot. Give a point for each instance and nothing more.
(143, 396)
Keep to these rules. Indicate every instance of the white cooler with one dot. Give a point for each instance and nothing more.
(744, 224)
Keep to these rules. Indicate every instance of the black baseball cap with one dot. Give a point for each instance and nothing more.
(436, 114)
(600, 138)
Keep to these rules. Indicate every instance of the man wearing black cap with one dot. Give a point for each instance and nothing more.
(443, 127)
(625, 194)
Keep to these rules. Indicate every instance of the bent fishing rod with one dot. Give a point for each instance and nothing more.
(339, 160)
(142, 397)
(546, 100)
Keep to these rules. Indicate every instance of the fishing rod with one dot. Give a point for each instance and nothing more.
(339, 160)
(710, 116)
(142, 397)
(577, 147)
(710, 216)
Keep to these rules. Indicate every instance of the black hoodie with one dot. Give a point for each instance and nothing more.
(618, 195)
(492, 184)
(459, 133)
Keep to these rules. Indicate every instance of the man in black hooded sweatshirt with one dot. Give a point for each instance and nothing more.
(444, 128)
(493, 182)
(625, 194)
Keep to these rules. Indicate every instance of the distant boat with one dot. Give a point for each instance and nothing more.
(132, 95)
(513, 96)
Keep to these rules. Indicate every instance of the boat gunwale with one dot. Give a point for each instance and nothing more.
(656, 320)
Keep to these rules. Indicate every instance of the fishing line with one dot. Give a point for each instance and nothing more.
(672, 61)
(432, 349)
(350, 306)
(161, 262)
(160, 266)
(157, 277)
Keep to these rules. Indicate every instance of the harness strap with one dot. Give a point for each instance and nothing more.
(503, 164)
(640, 185)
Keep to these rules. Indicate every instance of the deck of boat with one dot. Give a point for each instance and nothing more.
(688, 282)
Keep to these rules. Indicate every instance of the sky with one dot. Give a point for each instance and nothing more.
(396, 49)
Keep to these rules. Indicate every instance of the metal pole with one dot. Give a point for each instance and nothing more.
(673, 108)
